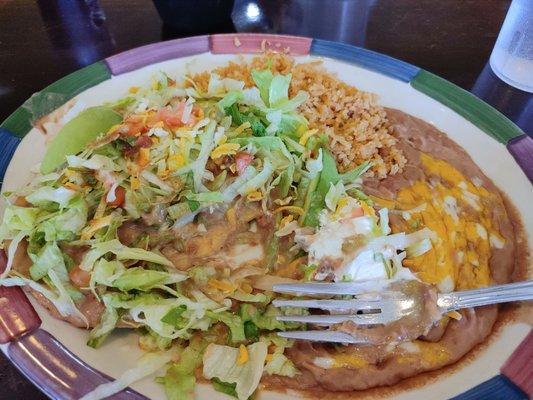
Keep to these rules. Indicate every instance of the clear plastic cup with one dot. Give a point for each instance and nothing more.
(512, 56)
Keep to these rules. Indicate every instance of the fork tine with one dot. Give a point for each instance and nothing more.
(322, 336)
(358, 304)
(359, 319)
(350, 288)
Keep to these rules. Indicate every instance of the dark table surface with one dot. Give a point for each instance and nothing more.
(43, 40)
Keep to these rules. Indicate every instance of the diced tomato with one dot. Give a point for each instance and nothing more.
(173, 118)
(170, 117)
(143, 141)
(120, 196)
(242, 160)
(134, 118)
(134, 125)
(79, 277)
(134, 129)
(357, 212)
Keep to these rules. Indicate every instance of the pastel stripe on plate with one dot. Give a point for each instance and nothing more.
(368, 59)
(54, 96)
(17, 315)
(467, 105)
(497, 388)
(519, 367)
(9, 143)
(58, 373)
(152, 53)
(235, 43)
(521, 148)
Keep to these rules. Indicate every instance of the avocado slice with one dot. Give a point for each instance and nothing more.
(77, 133)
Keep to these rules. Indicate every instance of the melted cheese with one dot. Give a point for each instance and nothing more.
(343, 360)
(430, 354)
(458, 211)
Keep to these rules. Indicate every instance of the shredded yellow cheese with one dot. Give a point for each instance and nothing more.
(254, 196)
(367, 209)
(231, 216)
(242, 127)
(134, 89)
(291, 209)
(246, 288)
(285, 220)
(135, 183)
(144, 157)
(222, 285)
(343, 201)
(243, 355)
(95, 225)
(455, 315)
(305, 137)
(176, 161)
(73, 186)
(164, 174)
(223, 139)
(226, 149)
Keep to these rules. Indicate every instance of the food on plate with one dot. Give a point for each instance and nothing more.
(174, 210)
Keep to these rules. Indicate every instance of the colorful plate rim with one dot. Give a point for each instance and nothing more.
(20, 332)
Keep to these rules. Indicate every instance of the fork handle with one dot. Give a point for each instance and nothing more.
(489, 295)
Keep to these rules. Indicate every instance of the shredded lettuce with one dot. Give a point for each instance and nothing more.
(329, 175)
(60, 298)
(233, 322)
(221, 362)
(147, 365)
(249, 297)
(356, 173)
(122, 253)
(46, 195)
(238, 118)
(205, 197)
(106, 325)
(151, 341)
(67, 223)
(279, 364)
(145, 279)
(95, 162)
(198, 166)
(232, 190)
(17, 219)
(263, 80)
(257, 181)
(50, 257)
(11, 253)
(334, 194)
(229, 99)
(278, 92)
(179, 380)
(384, 221)
(419, 248)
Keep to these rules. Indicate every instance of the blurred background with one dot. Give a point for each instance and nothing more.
(43, 40)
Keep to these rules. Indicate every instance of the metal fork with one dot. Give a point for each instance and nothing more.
(376, 308)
